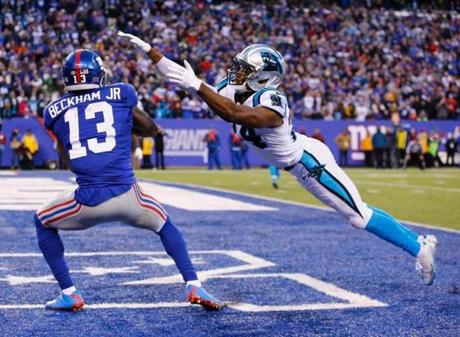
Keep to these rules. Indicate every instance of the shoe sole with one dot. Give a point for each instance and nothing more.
(208, 305)
(434, 241)
(74, 308)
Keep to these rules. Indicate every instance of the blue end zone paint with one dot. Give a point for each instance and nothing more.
(296, 239)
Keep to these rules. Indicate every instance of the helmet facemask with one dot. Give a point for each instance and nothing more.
(238, 74)
(256, 67)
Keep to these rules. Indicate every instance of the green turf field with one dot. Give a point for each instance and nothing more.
(430, 197)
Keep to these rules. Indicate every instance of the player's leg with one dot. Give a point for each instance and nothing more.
(217, 159)
(274, 174)
(144, 211)
(319, 174)
(61, 210)
(210, 159)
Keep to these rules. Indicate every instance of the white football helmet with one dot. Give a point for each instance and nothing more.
(256, 67)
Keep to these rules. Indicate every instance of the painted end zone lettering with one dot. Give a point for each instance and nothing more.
(247, 262)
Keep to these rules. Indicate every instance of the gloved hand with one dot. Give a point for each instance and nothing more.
(184, 77)
(135, 41)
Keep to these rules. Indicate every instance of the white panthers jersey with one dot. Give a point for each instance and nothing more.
(279, 146)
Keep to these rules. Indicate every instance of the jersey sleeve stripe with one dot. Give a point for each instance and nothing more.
(256, 97)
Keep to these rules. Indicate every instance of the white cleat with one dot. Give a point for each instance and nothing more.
(424, 262)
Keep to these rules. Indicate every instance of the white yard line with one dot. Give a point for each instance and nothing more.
(408, 186)
(353, 300)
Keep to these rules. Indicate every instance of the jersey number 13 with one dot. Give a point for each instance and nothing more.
(106, 126)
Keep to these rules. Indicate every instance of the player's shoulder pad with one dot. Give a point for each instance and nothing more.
(125, 87)
(271, 98)
(48, 119)
(128, 92)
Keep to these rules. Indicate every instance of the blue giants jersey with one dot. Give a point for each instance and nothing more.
(95, 128)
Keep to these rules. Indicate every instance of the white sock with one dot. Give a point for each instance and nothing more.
(69, 291)
(195, 283)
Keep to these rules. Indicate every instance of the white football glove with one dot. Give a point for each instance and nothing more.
(135, 41)
(184, 77)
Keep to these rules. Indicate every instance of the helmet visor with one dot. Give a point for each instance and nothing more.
(239, 71)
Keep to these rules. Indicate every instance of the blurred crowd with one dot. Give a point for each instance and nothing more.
(23, 149)
(343, 63)
(400, 147)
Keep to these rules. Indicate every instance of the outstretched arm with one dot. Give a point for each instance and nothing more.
(258, 117)
(162, 63)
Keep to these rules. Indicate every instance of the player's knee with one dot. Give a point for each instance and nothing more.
(46, 235)
(171, 237)
(38, 226)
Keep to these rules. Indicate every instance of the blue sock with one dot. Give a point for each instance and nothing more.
(53, 250)
(388, 228)
(176, 247)
(404, 228)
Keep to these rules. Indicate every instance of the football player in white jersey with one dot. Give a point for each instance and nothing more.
(250, 99)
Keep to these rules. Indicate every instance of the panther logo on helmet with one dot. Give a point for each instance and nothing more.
(256, 67)
(83, 69)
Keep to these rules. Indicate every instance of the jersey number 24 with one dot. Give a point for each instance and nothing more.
(77, 150)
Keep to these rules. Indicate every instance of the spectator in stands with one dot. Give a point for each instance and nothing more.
(343, 142)
(433, 151)
(245, 155)
(235, 150)
(379, 143)
(452, 106)
(451, 149)
(414, 153)
(147, 150)
(136, 152)
(367, 148)
(343, 62)
(423, 139)
(401, 141)
(16, 149)
(213, 143)
(29, 150)
(317, 135)
(390, 148)
(159, 149)
(2, 143)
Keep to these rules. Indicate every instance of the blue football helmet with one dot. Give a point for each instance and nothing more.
(258, 66)
(82, 70)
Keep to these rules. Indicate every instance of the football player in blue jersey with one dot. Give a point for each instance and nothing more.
(93, 123)
(249, 98)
